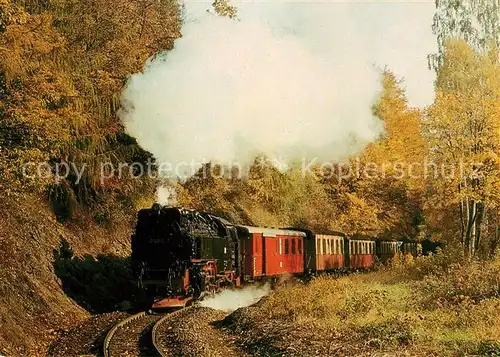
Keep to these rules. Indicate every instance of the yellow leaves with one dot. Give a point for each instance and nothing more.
(11, 14)
(222, 8)
(28, 46)
(404, 140)
(63, 69)
(464, 120)
(463, 130)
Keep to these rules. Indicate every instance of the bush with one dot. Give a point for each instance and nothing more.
(441, 305)
(417, 268)
(473, 281)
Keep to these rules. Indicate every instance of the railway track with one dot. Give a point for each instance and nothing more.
(154, 333)
(131, 337)
(137, 335)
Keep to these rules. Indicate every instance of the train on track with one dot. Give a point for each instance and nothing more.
(179, 255)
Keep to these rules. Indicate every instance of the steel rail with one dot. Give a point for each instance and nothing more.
(111, 333)
(159, 323)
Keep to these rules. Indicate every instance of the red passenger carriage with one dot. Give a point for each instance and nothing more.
(361, 254)
(268, 252)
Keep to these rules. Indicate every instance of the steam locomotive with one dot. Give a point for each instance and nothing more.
(180, 255)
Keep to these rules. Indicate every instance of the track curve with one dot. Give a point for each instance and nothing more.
(160, 322)
(120, 327)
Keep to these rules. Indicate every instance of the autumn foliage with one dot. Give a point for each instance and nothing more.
(62, 67)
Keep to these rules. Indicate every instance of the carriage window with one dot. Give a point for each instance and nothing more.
(330, 246)
(337, 246)
(324, 246)
(293, 246)
(300, 246)
(287, 248)
(318, 246)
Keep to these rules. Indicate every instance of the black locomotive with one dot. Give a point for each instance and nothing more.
(179, 254)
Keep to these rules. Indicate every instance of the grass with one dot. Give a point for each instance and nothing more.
(425, 306)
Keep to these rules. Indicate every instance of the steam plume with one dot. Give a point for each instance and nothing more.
(166, 195)
(229, 300)
(289, 80)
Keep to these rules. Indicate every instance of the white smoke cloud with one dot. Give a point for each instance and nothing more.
(289, 80)
(230, 300)
(166, 196)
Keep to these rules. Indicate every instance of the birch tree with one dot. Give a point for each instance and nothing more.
(475, 21)
(463, 127)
